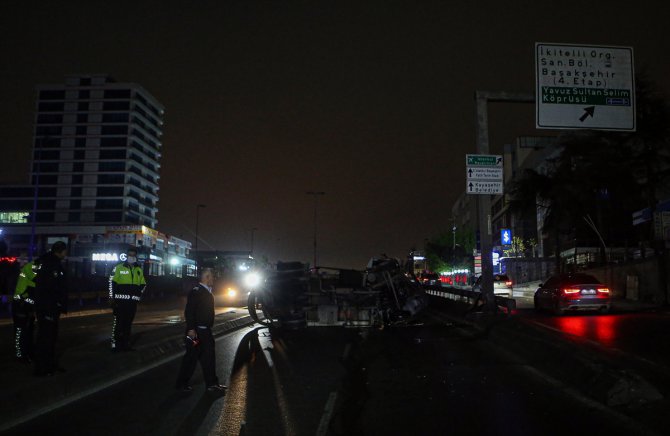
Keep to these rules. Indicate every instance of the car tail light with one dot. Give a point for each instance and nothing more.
(569, 291)
(603, 290)
(508, 283)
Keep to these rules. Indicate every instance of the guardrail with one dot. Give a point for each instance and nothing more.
(470, 297)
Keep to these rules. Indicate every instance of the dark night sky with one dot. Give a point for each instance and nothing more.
(371, 103)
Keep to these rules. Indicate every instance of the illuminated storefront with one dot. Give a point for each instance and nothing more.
(94, 250)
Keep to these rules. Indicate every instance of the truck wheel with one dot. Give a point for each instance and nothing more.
(257, 311)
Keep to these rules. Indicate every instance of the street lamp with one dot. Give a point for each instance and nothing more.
(197, 216)
(453, 231)
(315, 194)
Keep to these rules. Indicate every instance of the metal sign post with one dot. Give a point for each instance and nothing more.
(482, 99)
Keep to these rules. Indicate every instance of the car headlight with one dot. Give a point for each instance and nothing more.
(252, 280)
(231, 293)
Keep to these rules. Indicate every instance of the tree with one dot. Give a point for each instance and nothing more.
(553, 194)
(517, 248)
(599, 178)
(448, 250)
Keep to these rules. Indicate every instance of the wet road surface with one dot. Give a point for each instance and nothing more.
(435, 377)
(639, 335)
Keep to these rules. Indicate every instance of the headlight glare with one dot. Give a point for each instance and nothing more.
(252, 280)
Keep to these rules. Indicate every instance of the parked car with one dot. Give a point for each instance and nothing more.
(569, 292)
(502, 285)
(430, 279)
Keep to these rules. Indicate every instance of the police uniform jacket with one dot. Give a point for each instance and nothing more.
(127, 282)
(50, 287)
(199, 310)
(25, 287)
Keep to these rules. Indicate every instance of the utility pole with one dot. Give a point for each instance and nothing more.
(251, 249)
(453, 232)
(316, 195)
(197, 219)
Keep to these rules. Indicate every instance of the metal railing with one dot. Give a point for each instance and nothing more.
(471, 297)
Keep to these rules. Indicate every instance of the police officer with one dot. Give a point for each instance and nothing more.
(23, 310)
(199, 314)
(50, 302)
(126, 286)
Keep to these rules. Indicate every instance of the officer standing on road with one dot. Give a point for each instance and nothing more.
(50, 302)
(23, 311)
(126, 286)
(199, 314)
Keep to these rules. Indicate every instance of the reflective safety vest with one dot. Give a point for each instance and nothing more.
(25, 287)
(126, 282)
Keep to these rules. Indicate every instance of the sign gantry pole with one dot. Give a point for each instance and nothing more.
(489, 184)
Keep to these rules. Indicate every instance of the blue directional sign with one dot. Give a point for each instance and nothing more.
(506, 236)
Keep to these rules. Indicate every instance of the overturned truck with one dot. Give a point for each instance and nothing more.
(295, 296)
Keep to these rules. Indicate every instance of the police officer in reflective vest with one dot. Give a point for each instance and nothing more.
(23, 310)
(126, 286)
(50, 303)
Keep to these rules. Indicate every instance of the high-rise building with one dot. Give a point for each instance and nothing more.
(96, 152)
(93, 180)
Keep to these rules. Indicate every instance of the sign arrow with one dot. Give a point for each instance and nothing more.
(470, 186)
(470, 173)
(587, 111)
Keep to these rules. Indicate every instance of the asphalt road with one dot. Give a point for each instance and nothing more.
(437, 376)
(443, 378)
(276, 386)
(145, 404)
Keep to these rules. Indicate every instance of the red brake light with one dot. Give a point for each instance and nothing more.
(604, 290)
(508, 283)
(571, 290)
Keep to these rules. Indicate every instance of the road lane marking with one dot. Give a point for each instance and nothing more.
(266, 344)
(328, 410)
(233, 416)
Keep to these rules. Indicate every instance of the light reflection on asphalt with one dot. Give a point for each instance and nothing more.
(601, 328)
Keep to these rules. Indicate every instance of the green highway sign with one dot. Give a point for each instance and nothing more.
(584, 87)
(484, 160)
